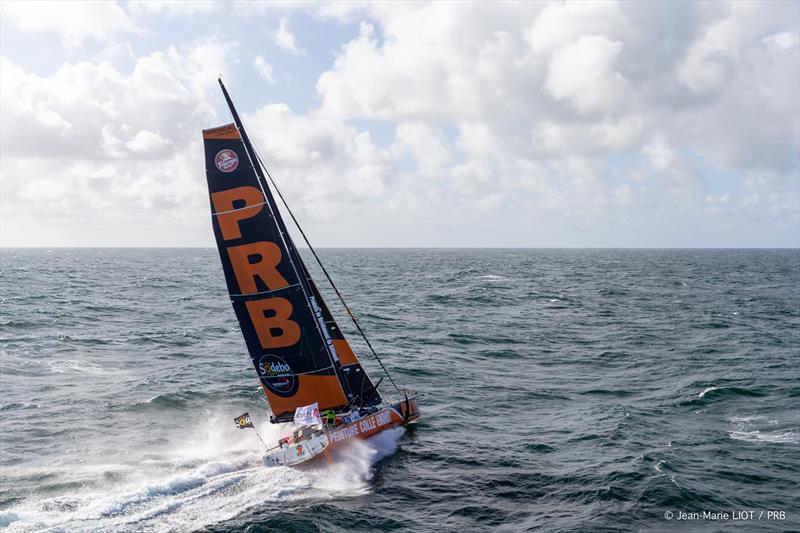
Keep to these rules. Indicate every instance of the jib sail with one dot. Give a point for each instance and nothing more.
(299, 353)
(353, 375)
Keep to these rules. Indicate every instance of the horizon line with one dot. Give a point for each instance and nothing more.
(37, 247)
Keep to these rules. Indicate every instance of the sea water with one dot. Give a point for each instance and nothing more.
(564, 390)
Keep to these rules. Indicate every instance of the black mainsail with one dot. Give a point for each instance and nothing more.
(299, 352)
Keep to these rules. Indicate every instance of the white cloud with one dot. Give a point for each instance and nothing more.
(570, 85)
(323, 165)
(68, 110)
(677, 172)
(264, 69)
(427, 146)
(583, 74)
(478, 138)
(751, 123)
(74, 21)
(552, 138)
(433, 62)
(473, 177)
(96, 145)
(464, 119)
(781, 41)
(714, 59)
(286, 41)
(171, 7)
(562, 24)
(147, 143)
(659, 153)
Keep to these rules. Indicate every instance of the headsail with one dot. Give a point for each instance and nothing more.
(299, 353)
(362, 388)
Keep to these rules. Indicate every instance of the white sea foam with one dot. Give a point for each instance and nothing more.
(745, 419)
(747, 431)
(352, 468)
(706, 391)
(77, 366)
(766, 436)
(213, 475)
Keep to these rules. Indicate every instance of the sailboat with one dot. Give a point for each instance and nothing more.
(301, 357)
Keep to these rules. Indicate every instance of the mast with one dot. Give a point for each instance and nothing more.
(272, 292)
(294, 256)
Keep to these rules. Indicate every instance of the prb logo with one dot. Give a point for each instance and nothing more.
(226, 160)
(277, 375)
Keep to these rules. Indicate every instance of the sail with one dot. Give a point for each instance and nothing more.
(364, 392)
(280, 315)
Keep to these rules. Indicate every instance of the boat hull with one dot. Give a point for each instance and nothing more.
(298, 453)
(395, 415)
(304, 453)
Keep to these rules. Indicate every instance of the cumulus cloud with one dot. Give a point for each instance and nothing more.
(532, 82)
(552, 138)
(171, 7)
(426, 145)
(429, 62)
(324, 165)
(73, 21)
(92, 140)
(579, 115)
(69, 110)
(583, 74)
(561, 24)
(148, 144)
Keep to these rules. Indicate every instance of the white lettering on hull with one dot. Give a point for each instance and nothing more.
(346, 432)
(365, 425)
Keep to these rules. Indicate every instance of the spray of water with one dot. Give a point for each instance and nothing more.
(213, 474)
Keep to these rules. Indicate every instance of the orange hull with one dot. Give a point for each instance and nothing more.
(396, 415)
(391, 416)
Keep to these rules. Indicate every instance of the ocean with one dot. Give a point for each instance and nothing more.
(563, 390)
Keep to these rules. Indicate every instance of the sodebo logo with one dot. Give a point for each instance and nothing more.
(274, 369)
(277, 375)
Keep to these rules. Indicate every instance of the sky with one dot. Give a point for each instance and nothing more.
(490, 124)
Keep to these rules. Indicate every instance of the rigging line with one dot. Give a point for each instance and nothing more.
(319, 262)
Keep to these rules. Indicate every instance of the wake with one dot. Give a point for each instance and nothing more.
(212, 478)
